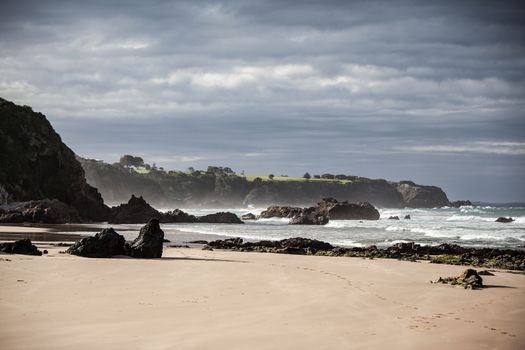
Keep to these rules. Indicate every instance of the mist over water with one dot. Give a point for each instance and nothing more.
(466, 226)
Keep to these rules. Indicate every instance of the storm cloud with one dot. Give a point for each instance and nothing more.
(411, 90)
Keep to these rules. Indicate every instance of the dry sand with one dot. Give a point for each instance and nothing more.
(194, 299)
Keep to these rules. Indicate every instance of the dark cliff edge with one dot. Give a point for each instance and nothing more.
(35, 164)
(215, 190)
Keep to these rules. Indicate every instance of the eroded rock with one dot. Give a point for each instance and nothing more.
(149, 243)
(23, 246)
(469, 279)
(104, 244)
(220, 218)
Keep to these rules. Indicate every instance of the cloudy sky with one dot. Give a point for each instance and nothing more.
(434, 93)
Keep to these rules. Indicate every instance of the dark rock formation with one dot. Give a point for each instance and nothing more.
(177, 215)
(469, 279)
(296, 245)
(104, 244)
(418, 196)
(347, 211)
(220, 218)
(458, 204)
(36, 164)
(310, 216)
(280, 212)
(135, 211)
(248, 216)
(504, 219)
(407, 217)
(42, 211)
(23, 246)
(441, 254)
(393, 218)
(326, 209)
(148, 245)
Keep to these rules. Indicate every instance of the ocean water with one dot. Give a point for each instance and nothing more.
(467, 226)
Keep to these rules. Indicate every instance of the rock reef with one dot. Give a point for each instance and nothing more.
(441, 254)
(326, 209)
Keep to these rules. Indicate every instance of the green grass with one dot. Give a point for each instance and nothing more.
(299, 179)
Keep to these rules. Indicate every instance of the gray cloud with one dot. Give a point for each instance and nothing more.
(367, 87)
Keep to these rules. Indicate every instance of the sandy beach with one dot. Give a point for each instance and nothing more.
(195, 299)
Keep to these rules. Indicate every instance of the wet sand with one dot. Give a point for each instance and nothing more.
(195, 299)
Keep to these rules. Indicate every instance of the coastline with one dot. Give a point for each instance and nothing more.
(192, 298)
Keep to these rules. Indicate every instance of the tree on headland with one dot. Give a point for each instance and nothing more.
(307, 176)
(271, 176)
(128, 160)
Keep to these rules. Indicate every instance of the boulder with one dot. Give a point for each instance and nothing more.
(330, 209)
(43, 211)
(149, 243)
(136, 211)
(248, 216)
(407, 217)
(504, 219)
(220, 218)
(23, 246)
(393, 218)
(104, 244)
(469, 279)
(348, 211)
(178, 215)
(310, 216)
(280, 212)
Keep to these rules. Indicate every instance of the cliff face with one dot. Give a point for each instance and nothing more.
(418, 196)
(36, 164)
(174, 189)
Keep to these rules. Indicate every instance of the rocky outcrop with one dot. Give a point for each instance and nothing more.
(418, 196)
(104, 244)
(177, 215)
(23, 246)
(248, 216)
(276, 211)
(36, 164)
(42, 211)
(149, 243)
(504, 219)
(459, 204)
(441, 254)
(469, 279)
(135, 211)
(295, 245)
(393, 217)
(327, 209)
(138, 211)
(220, 218)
